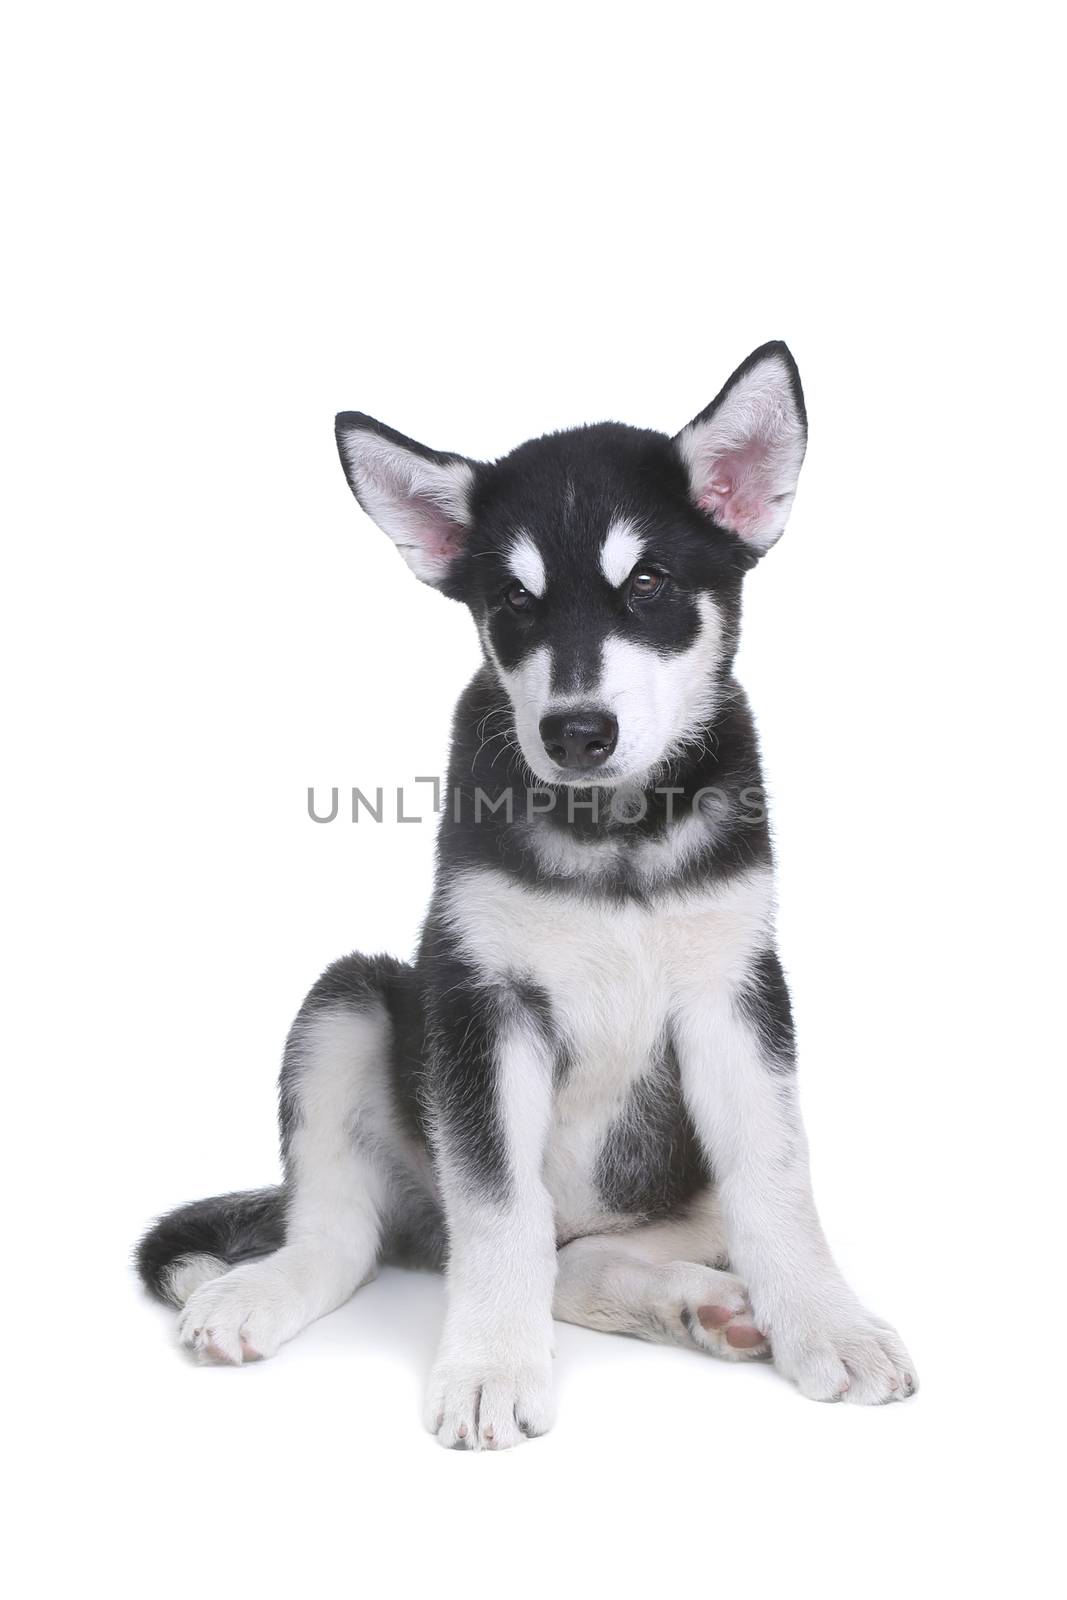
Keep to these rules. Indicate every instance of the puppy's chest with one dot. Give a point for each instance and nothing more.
(619, 980)
(613, 971)
(606, 980)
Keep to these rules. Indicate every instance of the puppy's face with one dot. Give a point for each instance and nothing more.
(602, 566)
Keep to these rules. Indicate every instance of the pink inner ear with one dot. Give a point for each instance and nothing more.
(734, 492)
(440, 536)
(443, 543)
(743, 513)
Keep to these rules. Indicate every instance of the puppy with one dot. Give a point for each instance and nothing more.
(581, 1094)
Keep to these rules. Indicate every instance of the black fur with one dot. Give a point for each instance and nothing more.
(233, 1227)
(766, 1004)
(651, 1164)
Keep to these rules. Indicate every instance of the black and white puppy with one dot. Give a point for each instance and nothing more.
(582, 1091)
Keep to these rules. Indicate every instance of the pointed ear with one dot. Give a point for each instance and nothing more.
(419, 497)
(743, 454)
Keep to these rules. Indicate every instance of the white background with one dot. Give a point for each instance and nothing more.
(225, 222)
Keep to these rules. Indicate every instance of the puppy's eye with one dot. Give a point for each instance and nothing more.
(518, 598)
(645, 583)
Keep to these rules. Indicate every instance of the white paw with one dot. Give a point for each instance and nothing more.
(702, 1306)
(847, 1355)
(243, 1316)
(480, 1405)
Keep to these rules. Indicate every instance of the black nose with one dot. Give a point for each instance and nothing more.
(579, 739)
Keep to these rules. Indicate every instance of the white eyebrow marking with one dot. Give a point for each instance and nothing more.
(526, 563)
(621, 551)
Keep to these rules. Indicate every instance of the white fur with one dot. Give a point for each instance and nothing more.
(622, 549)
(744, 460)
(527, 564)
(420, 504)
(184, 1276)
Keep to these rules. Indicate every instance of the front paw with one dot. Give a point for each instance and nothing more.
(842, 1354)
(489, 1405)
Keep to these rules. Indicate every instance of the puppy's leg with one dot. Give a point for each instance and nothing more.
(735, 1047)
(334, 1122)
(492, 1071)
(662, 1282)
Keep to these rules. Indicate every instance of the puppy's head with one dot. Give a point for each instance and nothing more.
(602, 565)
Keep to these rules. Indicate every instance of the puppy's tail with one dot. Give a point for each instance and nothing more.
(201, 1241)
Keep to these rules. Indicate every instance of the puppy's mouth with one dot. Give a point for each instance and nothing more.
(612, 774)
(603, 778)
